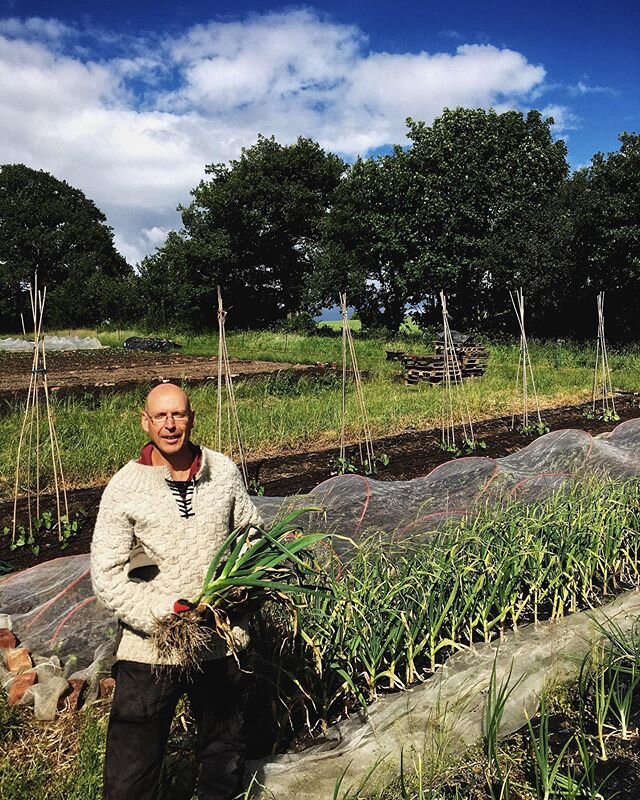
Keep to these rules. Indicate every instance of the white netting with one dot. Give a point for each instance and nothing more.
(51, 343)
(53, 609)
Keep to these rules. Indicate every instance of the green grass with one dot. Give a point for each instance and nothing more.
(59, 761)
(336, 324)
(281, 414)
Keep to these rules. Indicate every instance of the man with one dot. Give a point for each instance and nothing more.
(174, 506)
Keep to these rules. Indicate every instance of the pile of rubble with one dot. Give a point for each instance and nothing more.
(44, 683)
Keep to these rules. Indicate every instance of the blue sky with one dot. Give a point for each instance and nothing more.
(129, 100)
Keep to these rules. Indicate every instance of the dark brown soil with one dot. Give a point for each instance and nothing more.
(410, 455)
(418, 452)
(97, 371)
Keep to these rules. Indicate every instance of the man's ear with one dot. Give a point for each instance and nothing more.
(144, 422)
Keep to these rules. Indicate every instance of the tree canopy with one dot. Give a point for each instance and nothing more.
(478, 203)
(254, 228)
(467, 208)
(49, 226)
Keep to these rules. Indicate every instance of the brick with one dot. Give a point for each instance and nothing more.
(17, 659)
(19, 686)
(107, 688)
(72, 701)
(7, 639)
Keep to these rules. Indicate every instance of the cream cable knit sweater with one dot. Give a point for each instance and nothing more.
(137, 508)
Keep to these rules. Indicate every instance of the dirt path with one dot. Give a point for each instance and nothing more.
(410, 455)
(97, 371)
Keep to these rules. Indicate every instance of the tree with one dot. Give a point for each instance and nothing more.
(485, 220)
(604, 202)
(253, 227)
(369, 244)
(49, 226)
(468, 208)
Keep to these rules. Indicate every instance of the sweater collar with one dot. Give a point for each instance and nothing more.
(195, 470)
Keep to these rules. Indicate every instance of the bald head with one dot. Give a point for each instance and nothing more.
(166, 393)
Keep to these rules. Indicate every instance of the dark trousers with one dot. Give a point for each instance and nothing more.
(143, 706)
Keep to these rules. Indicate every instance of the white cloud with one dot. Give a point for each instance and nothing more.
(581, 88)
(34, 27)
(134, 131)
(563, 119)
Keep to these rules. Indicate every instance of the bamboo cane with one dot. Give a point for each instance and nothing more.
(349, 354)
(524, 373)
(454, 402)
(233, 420)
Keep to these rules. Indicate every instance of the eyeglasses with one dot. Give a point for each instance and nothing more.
(179, 417)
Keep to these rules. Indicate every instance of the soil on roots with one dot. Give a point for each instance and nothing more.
(410, 454)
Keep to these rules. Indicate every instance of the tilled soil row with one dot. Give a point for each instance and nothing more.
(78, 372)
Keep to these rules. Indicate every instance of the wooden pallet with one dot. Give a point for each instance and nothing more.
(472, 361)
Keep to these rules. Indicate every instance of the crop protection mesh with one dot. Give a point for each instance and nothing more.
(54, 611)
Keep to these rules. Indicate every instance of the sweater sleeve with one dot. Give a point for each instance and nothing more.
(137, 604)
(244, 511)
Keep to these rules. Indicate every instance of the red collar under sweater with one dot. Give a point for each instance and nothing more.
(196, 452)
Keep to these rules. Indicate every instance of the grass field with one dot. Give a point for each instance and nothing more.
(282, 413)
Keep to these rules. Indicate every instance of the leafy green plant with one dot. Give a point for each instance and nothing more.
(603, 415)
(546, 771)
(467, 447)
(535, 429)
(347, 465)
(498, 782)
(344, 465)
(373, 466)
(44, 524)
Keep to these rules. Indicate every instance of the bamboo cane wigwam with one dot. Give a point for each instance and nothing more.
(455, 407)
(225, 380)
(602, 388)
(38, 433)
(367, 456)
(525, 386)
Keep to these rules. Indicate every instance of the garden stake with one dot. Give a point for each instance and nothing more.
(525, 370)
(368, 461)
(602, 373)
(454, 401)
(224, 368)
(32, 430)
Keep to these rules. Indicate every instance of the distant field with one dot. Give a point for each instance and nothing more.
(336, 324)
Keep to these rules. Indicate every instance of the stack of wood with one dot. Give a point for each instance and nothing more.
(472, 359)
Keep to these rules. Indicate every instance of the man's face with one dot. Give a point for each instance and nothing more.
(167, 420)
